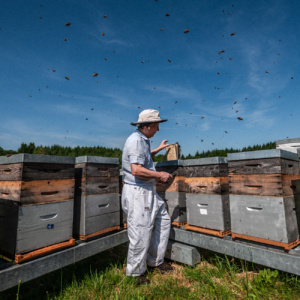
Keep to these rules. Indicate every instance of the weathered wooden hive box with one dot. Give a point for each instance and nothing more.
(207, 195)
(292, 145)
(173, 192)
(36, 202)
(263, 173)
(263, 185)
(97, 198)
(177, 184)
(176, 206)
(123, 219)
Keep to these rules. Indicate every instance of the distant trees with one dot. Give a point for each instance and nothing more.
(31, 148)
(224, 152)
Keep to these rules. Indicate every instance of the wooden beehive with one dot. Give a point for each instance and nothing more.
(123, 215)
(31, 178)
(177, 183)
(264, 219)
(36, 202)
(25, 228)
(263, 173)
(263, 185)
(97, 198)
(207, 194)
(208, 176)
(208, 211)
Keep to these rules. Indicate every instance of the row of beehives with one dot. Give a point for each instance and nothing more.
(255, 194)
(48, 200)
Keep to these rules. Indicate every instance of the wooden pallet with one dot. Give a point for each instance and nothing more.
(207, 230)
(33, 254)
(286, 246)
(98, 233)
(179, 224)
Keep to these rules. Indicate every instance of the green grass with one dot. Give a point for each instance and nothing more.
(216, 277)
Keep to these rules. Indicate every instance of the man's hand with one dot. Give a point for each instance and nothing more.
(139, 171)
(164, 176)
(163, 145)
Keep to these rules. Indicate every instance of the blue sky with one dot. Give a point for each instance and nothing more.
(240, 59)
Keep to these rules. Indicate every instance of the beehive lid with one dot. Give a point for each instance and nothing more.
(288, 141)
(36, 158)
(273, 153)
(205, 161)
(97, 160)
(169, 163)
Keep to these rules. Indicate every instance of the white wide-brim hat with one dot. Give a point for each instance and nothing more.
(149, 116)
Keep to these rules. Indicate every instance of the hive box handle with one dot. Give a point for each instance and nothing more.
(48, 217)
(202, 187)
(103, 186)
(202, 205)
(254, 208)
(103, 205)
(49, 193)
(254, 187)
(51, 170)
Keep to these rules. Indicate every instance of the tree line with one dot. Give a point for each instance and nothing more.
(31, 148)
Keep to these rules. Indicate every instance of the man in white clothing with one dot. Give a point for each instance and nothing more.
(148, 222)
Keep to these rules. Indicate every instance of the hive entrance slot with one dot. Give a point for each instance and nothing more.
(5, 194)
(102, 186)
(7, 171)
(49, 193)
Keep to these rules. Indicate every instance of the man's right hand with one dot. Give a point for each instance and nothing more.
(164, 176)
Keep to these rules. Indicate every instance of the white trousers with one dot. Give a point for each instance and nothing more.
(148, 226)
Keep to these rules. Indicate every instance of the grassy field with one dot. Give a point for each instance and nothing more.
(216, 277)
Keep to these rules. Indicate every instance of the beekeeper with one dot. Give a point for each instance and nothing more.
(148, 222)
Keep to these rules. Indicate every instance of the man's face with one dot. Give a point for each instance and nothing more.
(153, 129)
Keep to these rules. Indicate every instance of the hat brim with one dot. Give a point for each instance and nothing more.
(148, 122)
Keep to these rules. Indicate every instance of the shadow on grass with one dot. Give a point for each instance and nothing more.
(52, 284)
